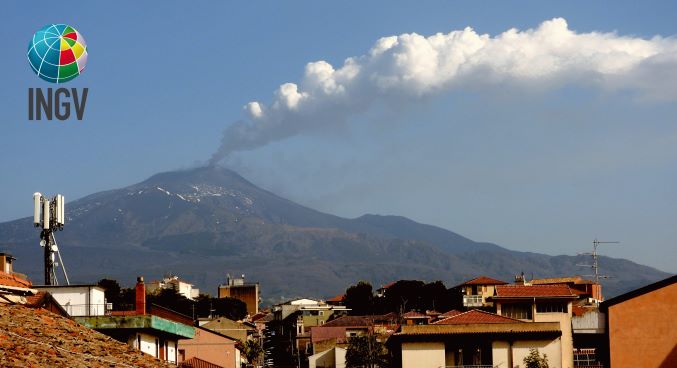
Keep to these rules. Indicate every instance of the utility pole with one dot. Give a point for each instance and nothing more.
(49, 215)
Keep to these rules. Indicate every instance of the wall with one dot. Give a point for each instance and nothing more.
(423, 355)
(79, 300)
(564, 319)
(210, 347)
(248, 293)
(643, 330)
(501, 349)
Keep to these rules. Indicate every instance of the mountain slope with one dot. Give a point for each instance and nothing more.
(206, 222)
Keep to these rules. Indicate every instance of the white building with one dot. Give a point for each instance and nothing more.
(79, 300)
(173, 282)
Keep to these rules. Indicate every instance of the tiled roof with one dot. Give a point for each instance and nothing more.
(476, 316)
(7, 279)
(34, 337)
(196, 362)
(337, 299)
(561, 280)
(533, 291)
(351, 321)
(477, 328)
(414, 314)
(483, 280)
(386, 286)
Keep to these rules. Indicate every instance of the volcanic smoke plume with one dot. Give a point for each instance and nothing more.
(410, 66)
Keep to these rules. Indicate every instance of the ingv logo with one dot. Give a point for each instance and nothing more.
(57, 54)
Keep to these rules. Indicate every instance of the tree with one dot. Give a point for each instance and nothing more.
(112, 290)
(534, 360)
(359, 298)
(252, 351)
(366, 352)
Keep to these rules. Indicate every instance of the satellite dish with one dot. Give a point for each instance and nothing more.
(43, 243)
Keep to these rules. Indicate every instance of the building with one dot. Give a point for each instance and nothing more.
(14, 287)
(541, 303)
(474, 338)
(332, 358)
(79, 300)
(585, 289)
(475, 293)
(248, 293)
(228, 327)
(210, 346)
(415, 318)
(151, 329)
(641, 326)
(174, 282)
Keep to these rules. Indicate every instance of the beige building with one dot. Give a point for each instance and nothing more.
(174, 282)
(212, 347)
(475, 338)
(229, 328)
(540, 304)
(475, 293)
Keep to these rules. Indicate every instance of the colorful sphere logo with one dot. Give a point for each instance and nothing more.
(57, 53)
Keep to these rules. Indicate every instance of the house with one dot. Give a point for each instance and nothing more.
(209, 346)
(228, 327)
(174, 282)
(641, 326)
(585, 289)
(151, 329)
(540, 303)
(475, 338)
(381, 292)
(415, 318)
(475, 293)
(330, 341)
(237, 288)
(79, 300)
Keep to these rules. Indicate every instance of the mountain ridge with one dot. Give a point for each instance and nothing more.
(205, 222)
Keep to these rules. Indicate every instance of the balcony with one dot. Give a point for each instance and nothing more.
(472, 301)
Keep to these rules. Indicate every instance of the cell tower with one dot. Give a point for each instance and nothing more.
(595, 262)
(50, 216)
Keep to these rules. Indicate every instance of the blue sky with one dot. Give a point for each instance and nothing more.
(535, 169)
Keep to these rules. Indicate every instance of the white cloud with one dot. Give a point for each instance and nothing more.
(413, 66)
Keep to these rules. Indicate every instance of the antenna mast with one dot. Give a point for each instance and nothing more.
(49, 214)
(595, 261)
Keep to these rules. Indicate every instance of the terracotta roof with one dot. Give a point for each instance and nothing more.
(336, 299)
(533, 291)
(7, 279)
(578, 311)
(476, 316)
(476, 328)
(561, 280)
(413, 315)
(450, 313)
(196, 362)
(483, 280)
(351, 321)
(386, 286)
(34, 337)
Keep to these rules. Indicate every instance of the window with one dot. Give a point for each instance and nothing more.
(322, 313)
(518, 311)
(551, 308)
(584, 357)
(182, 355)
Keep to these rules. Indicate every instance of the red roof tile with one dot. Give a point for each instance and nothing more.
(196, 362)
(351, 321)
(414, 314)
(483, 280)
(533, 291)
(337, 299)
(7, 279)
(475, 316)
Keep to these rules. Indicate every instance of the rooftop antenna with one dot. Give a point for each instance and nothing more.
(49, 214)
(595, 261)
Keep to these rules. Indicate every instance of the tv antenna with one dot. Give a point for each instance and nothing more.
(49, 214)
(595, 259)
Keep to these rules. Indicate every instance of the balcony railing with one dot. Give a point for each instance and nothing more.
(472, 301)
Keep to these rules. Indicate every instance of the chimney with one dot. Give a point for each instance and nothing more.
(6, 263)
(140, 296)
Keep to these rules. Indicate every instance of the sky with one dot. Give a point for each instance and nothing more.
(539, 139)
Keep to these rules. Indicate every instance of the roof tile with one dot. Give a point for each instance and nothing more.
(476, 316)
